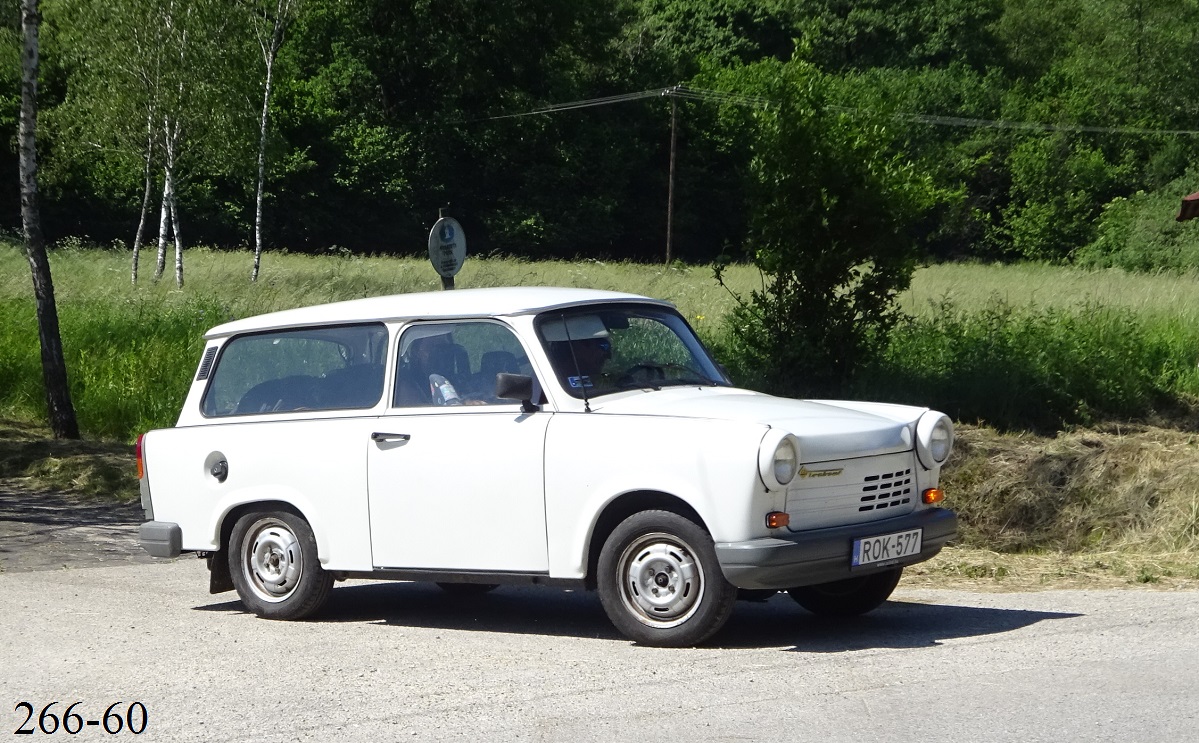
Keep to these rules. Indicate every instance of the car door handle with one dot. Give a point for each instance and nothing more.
(382, 437)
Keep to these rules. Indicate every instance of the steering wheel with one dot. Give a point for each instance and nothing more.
(652, 371)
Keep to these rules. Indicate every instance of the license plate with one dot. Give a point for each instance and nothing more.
(887, 547)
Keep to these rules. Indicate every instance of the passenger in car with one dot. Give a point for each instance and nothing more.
(412, 386)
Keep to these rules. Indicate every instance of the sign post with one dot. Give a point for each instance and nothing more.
(447, 249)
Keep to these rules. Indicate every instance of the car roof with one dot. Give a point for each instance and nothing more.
(459, 303)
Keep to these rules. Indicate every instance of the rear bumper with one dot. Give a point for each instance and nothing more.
(161, 538)
(823, 555)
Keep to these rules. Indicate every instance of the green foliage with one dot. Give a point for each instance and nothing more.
(1140, 233)
(862, 34)
(383, 112)
(129, 363)
(1056, 186)
(1040, 368)
(677, 36)
(829, 209)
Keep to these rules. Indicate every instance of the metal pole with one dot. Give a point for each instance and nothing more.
(447, 282)
(670, 187)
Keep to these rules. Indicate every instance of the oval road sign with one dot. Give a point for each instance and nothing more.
(447, 247)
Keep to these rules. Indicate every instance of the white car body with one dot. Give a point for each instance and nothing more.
(529, 490)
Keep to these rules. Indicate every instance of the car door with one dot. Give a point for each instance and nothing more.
(455, 476)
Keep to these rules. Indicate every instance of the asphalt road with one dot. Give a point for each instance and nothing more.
(400, 661)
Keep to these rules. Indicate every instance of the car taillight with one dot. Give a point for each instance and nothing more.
(141, 466)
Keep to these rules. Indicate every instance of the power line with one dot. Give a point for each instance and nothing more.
(717, 96)
(677, 91)
(959, 121)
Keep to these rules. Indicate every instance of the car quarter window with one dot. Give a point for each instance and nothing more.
(455, 363)
(304, 369)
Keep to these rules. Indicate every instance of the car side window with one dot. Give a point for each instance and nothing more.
(327, 368)
(455, 363)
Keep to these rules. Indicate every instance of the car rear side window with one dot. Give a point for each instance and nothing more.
(329, 368)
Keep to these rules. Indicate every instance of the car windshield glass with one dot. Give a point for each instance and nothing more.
(609, 348)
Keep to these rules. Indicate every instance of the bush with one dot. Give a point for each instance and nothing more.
(830, 213)
(1140, 233)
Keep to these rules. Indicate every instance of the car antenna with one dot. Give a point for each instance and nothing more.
(578, 372)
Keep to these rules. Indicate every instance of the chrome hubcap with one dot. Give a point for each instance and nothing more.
(661, 581)
(273, 560)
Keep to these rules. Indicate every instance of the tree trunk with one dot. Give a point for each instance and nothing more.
(54, 367)
(164, 228)
(270, 52)
(266, 103)
(178, 234)
(171, 144)
(146, 171)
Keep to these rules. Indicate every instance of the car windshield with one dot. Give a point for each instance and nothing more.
(600, 350)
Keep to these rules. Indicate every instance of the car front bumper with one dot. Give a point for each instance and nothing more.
(822, 555)
(161, 538)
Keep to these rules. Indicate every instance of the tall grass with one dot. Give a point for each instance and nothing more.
(290, 280)
(1038, 367)
(1017, 347)
(129, 362)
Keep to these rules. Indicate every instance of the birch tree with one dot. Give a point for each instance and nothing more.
(111, 110)
(54, 367)
(270, 28)
(155, 82)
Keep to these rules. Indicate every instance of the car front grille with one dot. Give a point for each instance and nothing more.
(852, 491)
(886, 490)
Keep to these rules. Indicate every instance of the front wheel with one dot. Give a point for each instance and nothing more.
(849, 597)
(660, 583)
(274, 566)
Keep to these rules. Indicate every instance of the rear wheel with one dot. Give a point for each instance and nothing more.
(274, 566)
(660, 583)
(849, 597)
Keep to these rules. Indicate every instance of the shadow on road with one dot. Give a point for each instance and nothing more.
(42, 530)
(57, 509)
(896, 624)
(777, 623)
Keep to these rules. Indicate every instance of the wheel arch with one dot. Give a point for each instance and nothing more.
(621, 508)
(230, 517)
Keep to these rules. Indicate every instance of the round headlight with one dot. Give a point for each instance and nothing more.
(778, 459)
(785, 461)
(934, 439)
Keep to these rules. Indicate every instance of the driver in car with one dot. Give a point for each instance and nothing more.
(579, 350)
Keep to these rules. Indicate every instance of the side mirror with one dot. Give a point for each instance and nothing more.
(516, 387)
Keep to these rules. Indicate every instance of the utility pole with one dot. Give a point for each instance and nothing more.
(670, 187)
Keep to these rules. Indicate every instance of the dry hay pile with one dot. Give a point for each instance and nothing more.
(1089, 507)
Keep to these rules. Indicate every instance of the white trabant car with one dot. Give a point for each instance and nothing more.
(569, 437)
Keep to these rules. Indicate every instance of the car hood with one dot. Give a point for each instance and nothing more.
(826, 429)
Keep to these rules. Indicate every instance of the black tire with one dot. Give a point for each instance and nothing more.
(849, 597)
(660, 583)
(467, 589)
(274, 566)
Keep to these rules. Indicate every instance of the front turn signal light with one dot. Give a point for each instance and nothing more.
(778, 519)
(933, 495)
